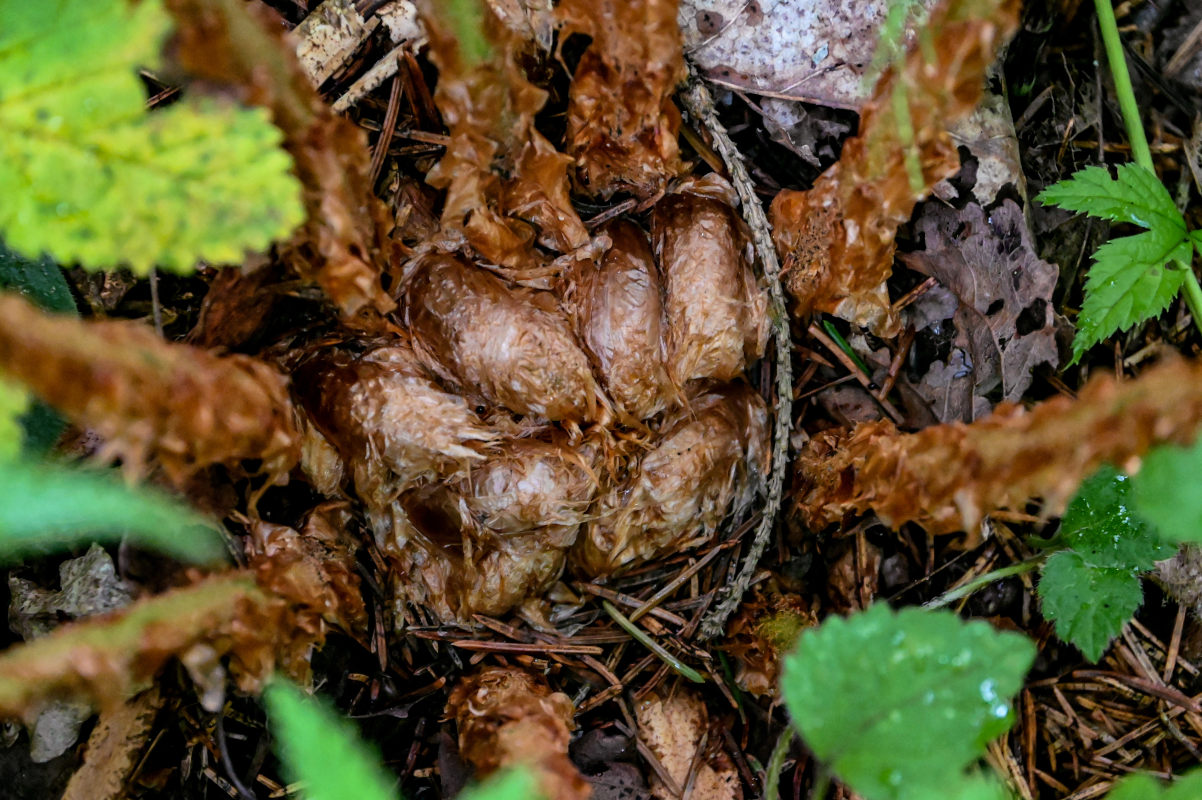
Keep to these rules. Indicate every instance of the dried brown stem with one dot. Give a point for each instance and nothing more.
(947, 477)
(184, 406)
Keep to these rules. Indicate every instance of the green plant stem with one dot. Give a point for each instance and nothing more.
(1122, 85)
(1138, 140)
(682, 669)
(776, 763)
(965, 590)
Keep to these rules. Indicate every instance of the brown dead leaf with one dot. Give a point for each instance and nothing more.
(622, 123)
(498, 536)
(344, 245)
(717, 315)
(505, 345)
(947, 477)
(506, 185)
(836, 240)
(183, 406)
(765, 628)
(674, 729)
(708, 462)
(988, 263)
(509, 716)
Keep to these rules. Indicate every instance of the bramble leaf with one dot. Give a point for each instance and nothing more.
(914, 670)
(322, 750)
(1088, 605)
(1144, 787)
(47, 506)
(1166, 491)
(1132, 279)
(1133, 195)
(1101, 526)
(89, 176)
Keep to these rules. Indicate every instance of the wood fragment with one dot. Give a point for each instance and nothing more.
(114, 748)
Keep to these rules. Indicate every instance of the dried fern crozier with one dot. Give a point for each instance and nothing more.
(707, 464)
(716, 312)
(505, 345)
(619, 312)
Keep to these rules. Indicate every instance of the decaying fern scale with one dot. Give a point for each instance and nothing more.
(947, 477)
(708, 462)
(185, 407)
(836, 240)
(393, 426)
(507, 717)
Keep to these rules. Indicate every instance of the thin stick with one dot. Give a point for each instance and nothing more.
(700, 106)
(982, 581)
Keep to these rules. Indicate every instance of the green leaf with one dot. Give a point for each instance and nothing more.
(45, 506)
(321, 749)
(89, 176)
(1166, 491)
(898, 703)
(1133, 195)
(512, 784)
(1143, 787)
(1132, 279)
(1101, 526)
(1088, 605)
(13, 402)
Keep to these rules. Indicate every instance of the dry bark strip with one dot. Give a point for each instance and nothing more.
(114, 749)
(948, 477)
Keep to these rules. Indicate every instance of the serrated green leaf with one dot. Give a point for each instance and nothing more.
(89, 176)
(1087, 605)
(48, 506)
(1144, 787)
(1166, 491)
(512, 784)
(1132, 279)
(1100, 524)
(322, 750)
(1133, 195)
(911, 671)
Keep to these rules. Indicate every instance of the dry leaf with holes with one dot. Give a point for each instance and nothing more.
(836, 240)
(1003, 316)
(674, 728)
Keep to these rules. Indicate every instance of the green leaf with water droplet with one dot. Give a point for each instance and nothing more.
(1144, 787)
(1088, 605)
(1166, 491)
(901, 703)
(89, 176)
(1101, 525)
